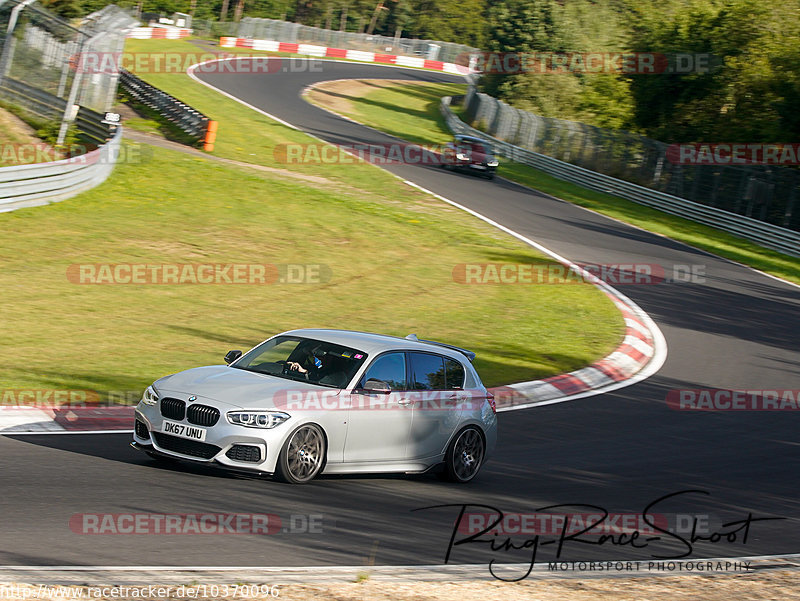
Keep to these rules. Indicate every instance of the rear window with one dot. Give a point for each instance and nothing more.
(428, 372)
(454, 374)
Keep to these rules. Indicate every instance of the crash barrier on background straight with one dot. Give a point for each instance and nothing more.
(756, 188)
(189, 120)
(343, 53)
(766, 234)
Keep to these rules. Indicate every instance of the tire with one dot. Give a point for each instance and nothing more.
(302, 456)
(464, 456)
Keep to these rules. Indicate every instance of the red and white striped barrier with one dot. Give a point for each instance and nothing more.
(636, 350)
(66, 419)
(356, 55)
(162, 33)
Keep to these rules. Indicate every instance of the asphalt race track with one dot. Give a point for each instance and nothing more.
(620, 451)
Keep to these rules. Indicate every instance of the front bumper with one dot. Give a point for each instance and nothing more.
(234, 447)
(475, 167)
(151, 450)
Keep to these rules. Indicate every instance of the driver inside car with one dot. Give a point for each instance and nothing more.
(310, 365)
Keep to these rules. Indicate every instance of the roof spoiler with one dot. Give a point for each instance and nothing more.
(468, 354)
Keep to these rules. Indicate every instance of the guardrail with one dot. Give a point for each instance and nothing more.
(189, 120)
(767, 235)
(766, 192)
(43, 183)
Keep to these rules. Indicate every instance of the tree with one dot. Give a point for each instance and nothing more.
(69, 9)
(538, 29)
(461, 21)
(751, 94)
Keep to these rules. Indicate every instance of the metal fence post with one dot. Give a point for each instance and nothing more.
(69, 110)
(10, 42)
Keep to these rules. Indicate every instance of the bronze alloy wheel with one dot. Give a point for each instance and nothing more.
(303, 455)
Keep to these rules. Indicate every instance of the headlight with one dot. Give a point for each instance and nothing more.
(492, 164)
(257, 419)
(150, 396)
(461, 156)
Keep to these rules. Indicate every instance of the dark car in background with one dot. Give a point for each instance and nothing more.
(471, 154)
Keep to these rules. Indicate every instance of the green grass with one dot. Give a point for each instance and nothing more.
(391, 251)
(409, 111)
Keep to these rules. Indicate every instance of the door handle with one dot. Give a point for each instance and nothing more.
(405, 402)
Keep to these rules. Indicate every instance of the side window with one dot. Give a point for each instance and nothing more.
(428, 371)
(389, 368)
(455, 374)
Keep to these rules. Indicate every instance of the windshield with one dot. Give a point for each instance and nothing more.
(304, 360)
(478, 148)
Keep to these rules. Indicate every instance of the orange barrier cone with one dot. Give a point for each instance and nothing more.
(211, 136)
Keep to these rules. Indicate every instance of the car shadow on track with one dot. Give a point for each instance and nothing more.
(115, 447)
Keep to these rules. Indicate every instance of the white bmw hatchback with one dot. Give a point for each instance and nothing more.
(311, 401)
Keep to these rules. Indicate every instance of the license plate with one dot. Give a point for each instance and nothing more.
(183, 431)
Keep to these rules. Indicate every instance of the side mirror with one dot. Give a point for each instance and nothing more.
(232, 356)
(377, 387)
